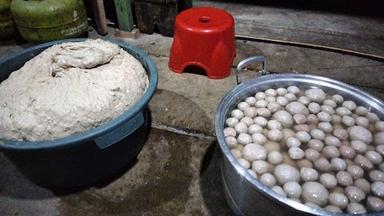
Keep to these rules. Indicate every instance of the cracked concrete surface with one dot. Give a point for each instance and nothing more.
(177, 172)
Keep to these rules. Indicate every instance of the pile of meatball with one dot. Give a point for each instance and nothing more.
(315, 148)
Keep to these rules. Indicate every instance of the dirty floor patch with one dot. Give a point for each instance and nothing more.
(173, 175)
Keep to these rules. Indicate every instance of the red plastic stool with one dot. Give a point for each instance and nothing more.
(204, 37)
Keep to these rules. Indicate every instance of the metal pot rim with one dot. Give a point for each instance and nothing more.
(233, 95)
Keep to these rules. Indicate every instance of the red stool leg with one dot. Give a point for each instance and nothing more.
(176, 57)
(221, 61)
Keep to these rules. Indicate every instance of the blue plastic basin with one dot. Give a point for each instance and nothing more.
(86, 157)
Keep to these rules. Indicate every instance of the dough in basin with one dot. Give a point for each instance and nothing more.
(69, 88)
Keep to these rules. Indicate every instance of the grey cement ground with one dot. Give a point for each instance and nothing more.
(177, 172)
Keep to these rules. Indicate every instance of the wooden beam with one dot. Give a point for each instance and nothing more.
(99, 16)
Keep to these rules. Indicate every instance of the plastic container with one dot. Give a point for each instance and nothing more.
(86, 157)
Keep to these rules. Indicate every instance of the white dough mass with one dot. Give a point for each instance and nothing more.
(69, 88)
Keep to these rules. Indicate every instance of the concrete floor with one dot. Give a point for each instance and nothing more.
(177, 172)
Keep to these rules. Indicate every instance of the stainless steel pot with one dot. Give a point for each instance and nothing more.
(246, 195)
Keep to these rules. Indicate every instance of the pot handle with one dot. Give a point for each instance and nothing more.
(120, 132)
(249, 61)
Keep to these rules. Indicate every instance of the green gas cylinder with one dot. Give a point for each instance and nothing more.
(7, 25)
(46, 20)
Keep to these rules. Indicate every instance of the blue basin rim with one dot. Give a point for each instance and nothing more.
(101, 130)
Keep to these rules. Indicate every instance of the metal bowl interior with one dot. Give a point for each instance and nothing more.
(250, 87)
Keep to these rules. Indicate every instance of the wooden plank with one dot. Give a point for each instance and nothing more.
(350, 69)
(363, 34)
(124, 14)
(372, 46)
(99, 16)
